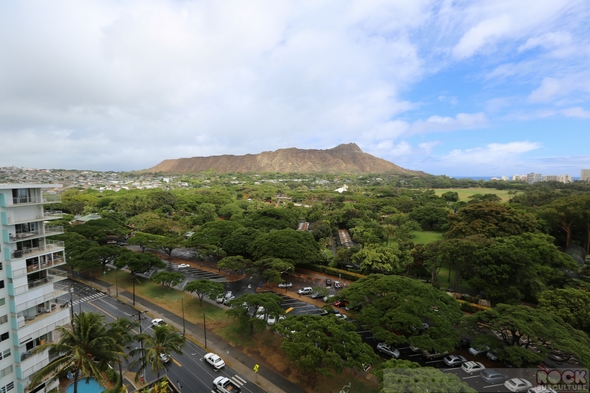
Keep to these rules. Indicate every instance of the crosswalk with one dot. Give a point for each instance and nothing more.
(88, 298)
(235, 379)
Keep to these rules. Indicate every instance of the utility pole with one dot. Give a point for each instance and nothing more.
(183, 322)
(205, 329)
(72, 305)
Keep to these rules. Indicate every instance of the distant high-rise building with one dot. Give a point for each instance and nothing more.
(565, 179)
(533, 178)
(585, 175)
(29, 312)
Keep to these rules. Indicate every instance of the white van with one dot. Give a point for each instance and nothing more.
(305, 291)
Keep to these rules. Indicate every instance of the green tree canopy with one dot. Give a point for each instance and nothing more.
(168, 279)
(383, 258)
(571, 304)
(394, 308)
(162, 341)
(490, 220)
(213, 232)
(299, 247)
(270, 302)
(100, 229)
(533, 328)
(204, 287)
(323, 344)
(519, 267)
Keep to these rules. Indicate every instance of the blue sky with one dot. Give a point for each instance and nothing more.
(460, 88)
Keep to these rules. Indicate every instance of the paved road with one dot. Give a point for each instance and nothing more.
(189, 369)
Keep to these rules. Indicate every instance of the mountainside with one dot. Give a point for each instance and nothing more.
(345, 158)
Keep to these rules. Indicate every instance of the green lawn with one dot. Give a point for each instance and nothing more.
(465, 193)
(425, 237)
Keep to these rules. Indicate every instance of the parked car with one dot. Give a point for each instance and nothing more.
(518, 385)
(388, 350)
(305, 291)
(478, 350)
(454, 360)
(158, 322)
(271, 320)
(341, 316)
(463, 344)
(472, 367)
(337, 285)
(414, 349)
(340, 303)
(165, 358)
(316, 295)
(285, 285)
(183, 265)
(228, 299)
(491, 376)
(220, 298)
(433, 354)
(214, 360)
(228, 294)
(493, 356)
(328, 282)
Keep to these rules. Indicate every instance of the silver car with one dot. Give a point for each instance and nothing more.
(492, 376)
(388, 349)
(454, 360)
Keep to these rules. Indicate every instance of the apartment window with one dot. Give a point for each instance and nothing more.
(3, 336)
(5, 354)
(1, 262)
(1, 284)
(5, 371)
(3, 319)
(10, 386)
(3, 389)
(2, 301)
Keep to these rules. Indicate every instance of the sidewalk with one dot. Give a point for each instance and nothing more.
(266, 379)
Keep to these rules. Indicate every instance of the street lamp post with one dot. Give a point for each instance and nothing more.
(183, 323)
(116, 282)
(205, 329)
(72, 305)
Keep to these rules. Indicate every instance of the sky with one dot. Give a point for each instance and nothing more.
(460, 88)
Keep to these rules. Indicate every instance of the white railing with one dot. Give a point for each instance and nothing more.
(49, 198)
(26, 199)
(23, 235)
(52, 214)
(49, 230)
(54, 243)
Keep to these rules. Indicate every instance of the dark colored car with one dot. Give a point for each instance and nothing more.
(328, 282)
(463, 344)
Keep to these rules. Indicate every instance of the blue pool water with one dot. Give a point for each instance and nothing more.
(91, 387)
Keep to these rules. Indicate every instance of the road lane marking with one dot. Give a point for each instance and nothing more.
(104, 311)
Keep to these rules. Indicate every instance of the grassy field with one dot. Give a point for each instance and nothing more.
(464, 193)
(425, 237)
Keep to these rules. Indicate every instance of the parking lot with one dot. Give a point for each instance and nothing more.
(198, 274)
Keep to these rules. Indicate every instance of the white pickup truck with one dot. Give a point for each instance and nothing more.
(225, 385)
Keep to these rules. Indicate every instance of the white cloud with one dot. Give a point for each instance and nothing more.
(576, 112)
(462, 121)
(547, 41)
(492, 154)
(487, 25)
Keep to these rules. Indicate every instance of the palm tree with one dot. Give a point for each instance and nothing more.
(155, 347)
(85, 349)
(121, 331)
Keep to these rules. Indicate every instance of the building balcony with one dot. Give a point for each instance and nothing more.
(52, 214)
(35, 199)
(47, 319)
(50, 246)
(21, 267)
(53, 276)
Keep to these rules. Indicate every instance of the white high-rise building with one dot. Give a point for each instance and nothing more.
(29, 312)
(585, 175)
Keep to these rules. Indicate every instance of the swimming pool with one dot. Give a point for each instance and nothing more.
(91, 387)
